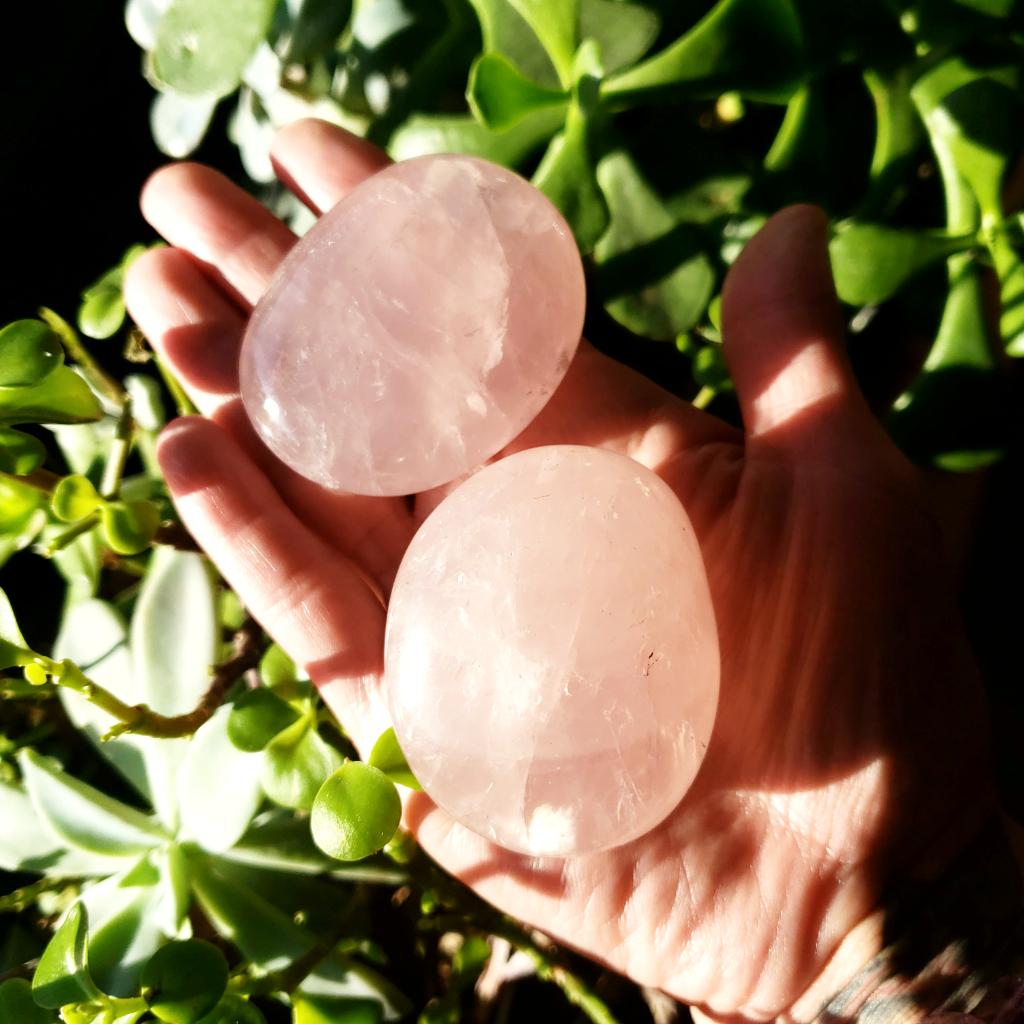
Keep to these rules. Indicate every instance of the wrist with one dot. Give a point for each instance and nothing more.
(946, 949)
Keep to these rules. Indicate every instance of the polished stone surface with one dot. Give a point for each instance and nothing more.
(416, 329)
(551, 653)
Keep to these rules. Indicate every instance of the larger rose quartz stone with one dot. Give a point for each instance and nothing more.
(416, 329)
(551, 652)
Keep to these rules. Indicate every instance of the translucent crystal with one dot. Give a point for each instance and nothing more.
(551, 653)
(416, 329)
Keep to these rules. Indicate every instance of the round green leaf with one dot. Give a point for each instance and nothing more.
(257, 717)
(20, 453)
(17, 1005)
(29, 351)
(129, 526)
(74, 498)
(276, 668)
(203, 47)
(102, 310)
(234, 1010)
(356, 812)
(710, 369)
(184, 981)
(388, 757)
(295, 765)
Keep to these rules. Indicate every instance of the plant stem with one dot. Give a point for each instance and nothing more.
(703, 398)
(249, 645)
(73, 532)
(182, 402)
(174, 535)
(117, 457)
(39, 479)
(96, 375)
(21, 898)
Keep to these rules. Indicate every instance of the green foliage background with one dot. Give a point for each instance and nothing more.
(158, 818)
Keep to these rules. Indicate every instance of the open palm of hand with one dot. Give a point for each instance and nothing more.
(849, 743)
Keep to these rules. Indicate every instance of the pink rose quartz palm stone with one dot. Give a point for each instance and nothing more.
(551, 652)
(416, 329)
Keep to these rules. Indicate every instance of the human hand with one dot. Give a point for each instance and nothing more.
(850, 745)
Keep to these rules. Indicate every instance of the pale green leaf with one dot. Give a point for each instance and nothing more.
(93, 635)
(202, 48)
(219, 788)
(83, 816)
(124, 928)
(178, 122)
(27, 844)
(174, 639)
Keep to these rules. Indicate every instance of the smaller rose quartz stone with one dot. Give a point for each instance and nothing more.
(416, 329)
(551, 655)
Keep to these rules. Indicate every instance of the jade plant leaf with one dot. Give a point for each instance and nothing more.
(505, 31)
(652, 271)
(356, 812)
(202, 48)
(63, 974)
(20, 453)
(17, 1005)
(624, 32)
(315, 28)
(957, 413)
(462, 133)
(129, 526)
(387, 756)
(60, 397)
(566, 173)
(295, 765)
(184, 981)
(872, 262)
(179, 123)
(29, 351)
(125, 926)
(174, 638)
(83, 816)
(26, 844)
(219, 788)
(256, 717)
(556, 25)
(500, 95)
(94, 636)
(753, 47)
(74, 498)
